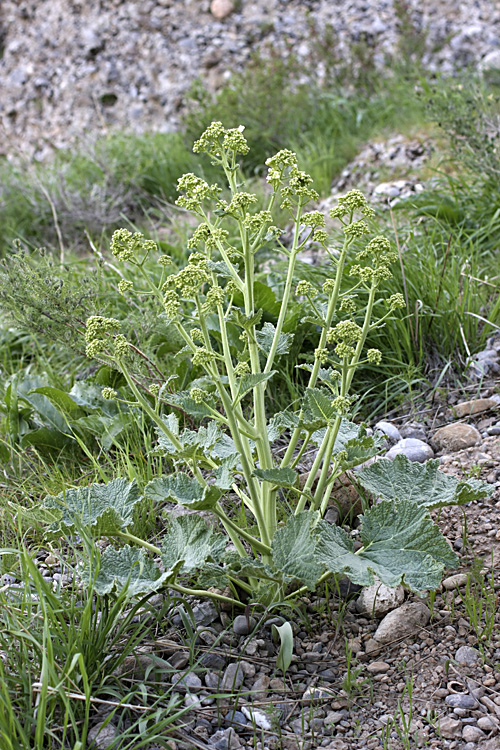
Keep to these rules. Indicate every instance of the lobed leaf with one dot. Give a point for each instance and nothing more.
(127, 568)
(106, 508)
(423, 484)
(190, 542)
(280, 477)
(184, 490)
(265, 338)
(293, 548)
(400, 543)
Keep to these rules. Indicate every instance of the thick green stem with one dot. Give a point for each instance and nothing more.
(128, 537)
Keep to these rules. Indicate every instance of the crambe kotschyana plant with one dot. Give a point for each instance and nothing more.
(267, 553)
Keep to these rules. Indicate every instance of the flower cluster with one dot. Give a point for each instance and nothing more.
(352, 201)
(306, 289)
(97, 331)
(197, 395)
(203, 356)
(190, 279)
(196, 191)
(124, 286)
(241, 369)
(374, 356)
(396, 301)
(255, 222)
(214, 297)
(345, 333)
(217, 139)
(109, 393)
(127, 246)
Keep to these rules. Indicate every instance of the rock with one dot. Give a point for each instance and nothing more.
(101, 736)
(452, 582)
(186, 681)
(314, 694)
(412, 448)
(378, 599)
(478, 405)
(257, 717)
(221, 8)
(472, 734)
(243, 625)
(450, 728)
(455, 437)
(467, 655)
(260, 687)
(413, 430)
(402, 621)
(487, 724)
(225, 739)
(233, 677)
(205, 613)
(378, 667)
(461, 700)
(388, 429)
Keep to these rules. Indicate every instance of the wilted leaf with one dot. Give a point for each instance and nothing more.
(400, 543)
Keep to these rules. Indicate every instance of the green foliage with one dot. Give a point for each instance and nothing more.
(212, 304)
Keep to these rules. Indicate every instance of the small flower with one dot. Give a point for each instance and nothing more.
(396, 301)
(328, 286)
(124, 286)
(306, 289)
(345, 330)
(314, 219)
(241, 369)
(342, 404)
(209, 140)
(197, 395)
(164, 260)
(203, 356)
(196, 334)
(121, 346)
(348, 304)
(234, 140)
(321, 355)
(171, 303)
(109, 393)
(356, 229)
(374, 356)
(154, 389)
(320, 236)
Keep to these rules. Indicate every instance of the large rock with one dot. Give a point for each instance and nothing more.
(221, 8)
(476, 406)
(403, 621)
(455, 437)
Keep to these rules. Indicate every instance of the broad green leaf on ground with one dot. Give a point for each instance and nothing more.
(293, 550)
(280, 477)
(265, 339)
(106, 508)
(127, 568)
(423, 484)
(46, 438)
(184, 490)
(61, 400)
(400, 543)
(189, 540)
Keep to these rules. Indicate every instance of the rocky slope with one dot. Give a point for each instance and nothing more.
(69, 68)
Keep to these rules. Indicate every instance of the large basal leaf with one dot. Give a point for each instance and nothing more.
(106, 508)
(46, 438)
(191, 542)
(280, 477)
(61, 401)
(127, 568)
(423, 484)
(184, 490)
(293, 550)
(400, 543)
(265, 338)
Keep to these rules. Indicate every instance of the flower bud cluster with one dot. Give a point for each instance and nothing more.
(306, 289)
(396, 301)
(197, 395)
(374, 356)
(127, 246)
(241, 369)
(255, 222)
(196, 191)
(97, 331)
(352, 201)
(109, 394)
(203, 356)
(217, 139)
(214, 297)
(124, 286)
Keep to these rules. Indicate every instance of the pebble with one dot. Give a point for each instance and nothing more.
(221, 8)
(187, 681)
(476, 406)
(258, 717)
(388, 429)
(233, 677)
(472, 734)
(244, 625)
(467, 655)
(450, 728)
(455, 437)
(461, 700)
(378, 667)
(414, 449)
(378, 599)
(102, 735)
(457, 581)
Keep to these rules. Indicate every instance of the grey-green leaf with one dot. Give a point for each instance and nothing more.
(424, 484)
(250, 381)
(105, 508)
(400, 543)
(285, 634)
(293, 548)
(127, 568)
(280, 477)
(265, 338)
(184, 490)
(189, 540)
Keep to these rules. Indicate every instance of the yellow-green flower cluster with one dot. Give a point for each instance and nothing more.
(214, 297)
(240, 204)
(356, 229)
(200, 235)
(127, 246)
(190, 279)
(216, 138)
(196, 334)
(197, 395)
(241, 369)
(342, 404)
(396, 301)
(171, 303)
(374, 356)
(314, 219)
(97, 331)
(348, 304)
(203, 356)
(196, 191)
(109, 393)
(345, 330)
(321, 354)
(124, 286)
(306, 289)
(121, 346)
(352, 201)
(278, 164)
(164, 260)
(255, 222)
(154, 389)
